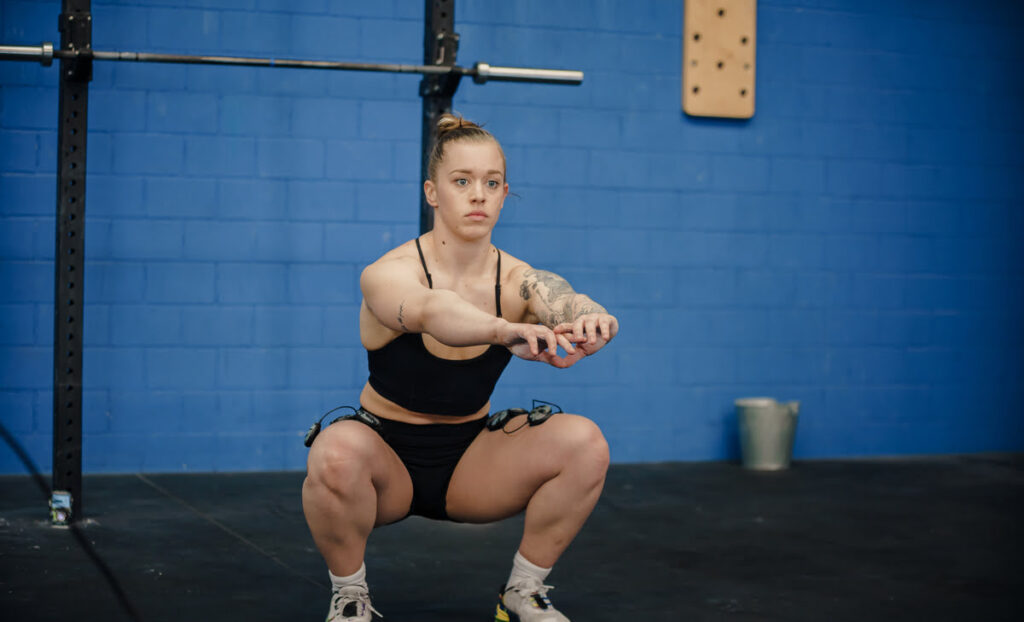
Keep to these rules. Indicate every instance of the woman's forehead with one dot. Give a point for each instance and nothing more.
(473, 156)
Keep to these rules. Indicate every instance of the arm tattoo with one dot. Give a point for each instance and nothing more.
(556, 301)
(401, 308)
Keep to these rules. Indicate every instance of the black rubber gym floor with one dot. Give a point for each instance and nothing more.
(909, 539)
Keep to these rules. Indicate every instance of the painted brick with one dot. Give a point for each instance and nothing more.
(284, 158)
(27, 194)
(177, 29)
(263, 283)
(287, 325)
(221, 156)
(179, 282)
(217, 325)
(322, 368)
(180, 368)
(251, 198)
(19, 417)
(405, 163)
(147, 154)
(360, 160)
(113, 282)
(321, 200)
(113, 368)
(108, 195)
(27, 281)
(388, 120)
(148, 413)
(117, 110)
(321, 37)
(327, 117)
(39, 110)
(387, 202)
(289, 242)
(145, 325)
(20, 151)
(341, 325)
(253, 367)
(250, 115)
(321, 283)
(17, 324)
(356, 242)
(146, 239)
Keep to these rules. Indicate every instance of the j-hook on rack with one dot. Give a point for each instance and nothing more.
(441, 77)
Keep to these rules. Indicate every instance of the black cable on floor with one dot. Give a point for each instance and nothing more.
(87, 547)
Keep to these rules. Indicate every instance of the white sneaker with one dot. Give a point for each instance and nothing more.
(351, 604)
(527, 601)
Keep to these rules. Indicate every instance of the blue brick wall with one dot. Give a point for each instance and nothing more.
(856, 245)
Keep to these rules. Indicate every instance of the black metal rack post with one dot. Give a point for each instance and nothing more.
(440, 46)
(75, 74)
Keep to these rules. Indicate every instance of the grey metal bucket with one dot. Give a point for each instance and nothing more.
(767, 429)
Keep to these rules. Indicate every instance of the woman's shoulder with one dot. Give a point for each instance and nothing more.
(401, 259)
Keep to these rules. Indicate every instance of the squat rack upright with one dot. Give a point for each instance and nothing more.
(441, 77)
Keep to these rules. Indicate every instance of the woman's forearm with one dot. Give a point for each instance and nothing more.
(455, 322)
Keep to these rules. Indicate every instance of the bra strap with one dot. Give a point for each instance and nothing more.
(423, 261)
(497, 284)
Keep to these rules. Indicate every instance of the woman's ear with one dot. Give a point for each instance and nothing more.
(430, 191)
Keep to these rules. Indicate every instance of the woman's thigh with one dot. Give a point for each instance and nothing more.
(499, 473)
(350, 449)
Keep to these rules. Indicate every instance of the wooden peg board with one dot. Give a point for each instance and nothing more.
(719, 50)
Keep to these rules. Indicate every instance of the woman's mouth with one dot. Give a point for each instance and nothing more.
(477, 215)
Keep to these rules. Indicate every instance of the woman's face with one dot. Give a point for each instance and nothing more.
(470, 187)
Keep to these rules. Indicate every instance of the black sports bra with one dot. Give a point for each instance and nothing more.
(406, 373)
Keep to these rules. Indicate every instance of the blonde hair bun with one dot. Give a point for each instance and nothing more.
(450, 122)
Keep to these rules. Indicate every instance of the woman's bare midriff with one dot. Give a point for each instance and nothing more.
(383, 407)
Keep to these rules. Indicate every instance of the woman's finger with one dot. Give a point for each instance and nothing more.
(591, 323)
(566, 344)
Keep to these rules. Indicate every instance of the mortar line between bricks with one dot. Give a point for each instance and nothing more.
(228, 530)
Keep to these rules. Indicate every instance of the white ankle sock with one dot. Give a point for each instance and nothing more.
(357, 578)
(523, 568)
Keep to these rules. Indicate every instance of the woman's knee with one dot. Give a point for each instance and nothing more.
(584, 443)
(341, 456)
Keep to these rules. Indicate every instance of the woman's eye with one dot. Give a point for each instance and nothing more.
(492, 183)
(462, 181)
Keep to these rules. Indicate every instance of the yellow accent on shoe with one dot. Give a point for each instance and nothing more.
(500, 615)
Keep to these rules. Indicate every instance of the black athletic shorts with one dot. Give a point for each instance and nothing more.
(430, 453)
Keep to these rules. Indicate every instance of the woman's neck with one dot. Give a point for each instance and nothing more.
(460, 257)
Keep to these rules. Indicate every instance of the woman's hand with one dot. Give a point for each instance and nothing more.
(590, 332)
(535, 342)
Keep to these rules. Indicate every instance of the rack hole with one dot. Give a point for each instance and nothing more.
(696, 90)
(721, 12)
(743, 92)
(744, 40)
(721, 64)
(696, 36)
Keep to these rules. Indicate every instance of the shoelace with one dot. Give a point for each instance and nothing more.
(351, 594)
(533, 587)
